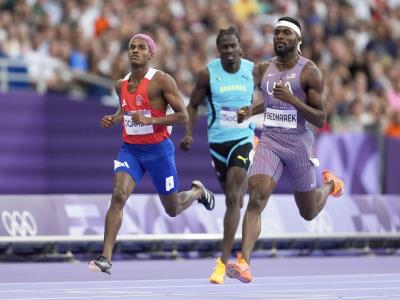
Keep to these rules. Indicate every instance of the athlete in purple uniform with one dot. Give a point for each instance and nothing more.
(292, 89)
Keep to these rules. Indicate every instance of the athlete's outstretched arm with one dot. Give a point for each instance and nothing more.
(197, 97)
(109, 120)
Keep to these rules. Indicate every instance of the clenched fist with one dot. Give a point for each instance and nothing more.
(107, 121)
(138, 118)
(280, 91)
(243, 114)
(186, 142)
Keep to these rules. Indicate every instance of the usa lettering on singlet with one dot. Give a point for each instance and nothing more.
(280, 116)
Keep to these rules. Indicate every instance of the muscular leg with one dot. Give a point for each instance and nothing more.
(176, 203)
(260, 189)
(236, 185)
(312, 202)
(123, 188)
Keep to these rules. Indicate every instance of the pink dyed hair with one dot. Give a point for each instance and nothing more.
(148, 40)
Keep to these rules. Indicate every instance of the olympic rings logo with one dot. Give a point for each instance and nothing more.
(17, 223)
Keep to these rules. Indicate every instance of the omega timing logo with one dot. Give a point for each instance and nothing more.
(19, 224)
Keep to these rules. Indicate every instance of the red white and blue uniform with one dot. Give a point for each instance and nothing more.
(145, 147)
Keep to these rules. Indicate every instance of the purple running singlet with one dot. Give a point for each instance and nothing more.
(286, 140)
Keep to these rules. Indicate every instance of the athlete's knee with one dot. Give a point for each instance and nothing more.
(172, 211)
(260, 188)
(233, 199)
(256, 201)
(308, 214)
(119, 197)
(258, 197)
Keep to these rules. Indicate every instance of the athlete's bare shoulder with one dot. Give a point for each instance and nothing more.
(264, 66)
(311, 66)
(204, 75)
(259, 70)
(163, 79)
(311, 72)
(118, 85)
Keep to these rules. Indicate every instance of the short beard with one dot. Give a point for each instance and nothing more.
(282, 51)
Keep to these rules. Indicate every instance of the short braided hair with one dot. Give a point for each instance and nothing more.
(230, 30)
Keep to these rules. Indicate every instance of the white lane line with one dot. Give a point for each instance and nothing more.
(202, 279)
(244, 294)
(374, 297)
(86, 297)
(281, 297)
(229, 286)
(298, 291)
(329, 297)
(380, 282)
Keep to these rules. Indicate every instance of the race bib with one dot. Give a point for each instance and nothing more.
(137, 129)
(281, 118)
(228, 118)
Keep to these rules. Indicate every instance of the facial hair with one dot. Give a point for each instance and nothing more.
(284, 49)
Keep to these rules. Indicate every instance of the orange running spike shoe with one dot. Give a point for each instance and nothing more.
(218, 276)
(239, 269)
(338, 184)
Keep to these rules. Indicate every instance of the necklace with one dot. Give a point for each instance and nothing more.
(286, 63)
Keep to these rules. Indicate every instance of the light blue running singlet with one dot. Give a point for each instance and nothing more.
(229, 92)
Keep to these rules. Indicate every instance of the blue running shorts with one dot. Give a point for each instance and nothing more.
(157, 159)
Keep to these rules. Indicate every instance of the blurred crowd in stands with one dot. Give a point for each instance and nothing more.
(355, 42)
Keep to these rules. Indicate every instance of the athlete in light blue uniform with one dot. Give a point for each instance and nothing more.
(227, 92)
(227, 83)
